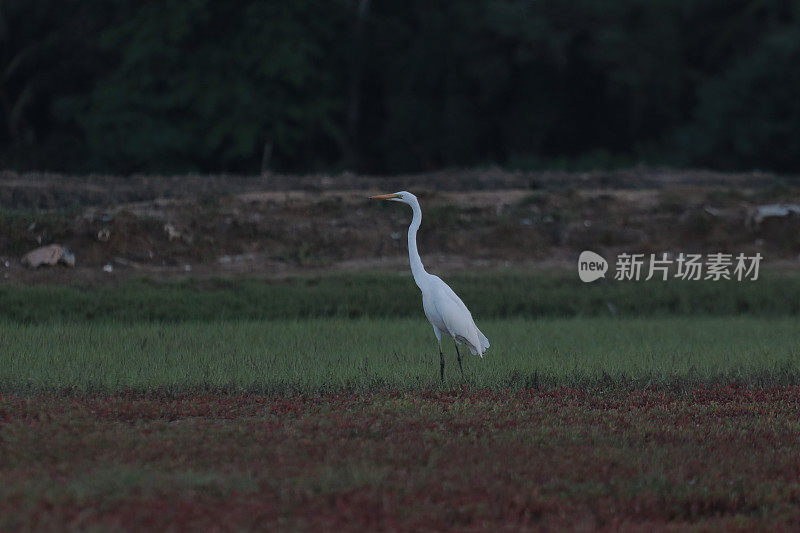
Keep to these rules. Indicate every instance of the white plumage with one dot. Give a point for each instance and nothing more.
(444, 309)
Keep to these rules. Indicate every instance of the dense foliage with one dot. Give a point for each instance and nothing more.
(397, 85)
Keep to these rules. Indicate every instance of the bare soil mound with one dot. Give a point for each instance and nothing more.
(268, 225)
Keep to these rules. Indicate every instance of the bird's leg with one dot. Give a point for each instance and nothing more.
(441, 362)
(459, 358)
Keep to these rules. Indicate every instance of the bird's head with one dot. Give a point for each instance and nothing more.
(402, 196)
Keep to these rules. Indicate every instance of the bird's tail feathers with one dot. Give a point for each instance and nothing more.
(475, 350)
(460, 339)
(484, 342)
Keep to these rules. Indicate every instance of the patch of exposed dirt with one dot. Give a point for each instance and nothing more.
(217, 226)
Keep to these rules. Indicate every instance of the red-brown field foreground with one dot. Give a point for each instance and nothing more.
(721, 458)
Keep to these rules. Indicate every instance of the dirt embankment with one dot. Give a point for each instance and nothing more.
(274, 225)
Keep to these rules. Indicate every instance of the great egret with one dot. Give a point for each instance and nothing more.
(444, 309)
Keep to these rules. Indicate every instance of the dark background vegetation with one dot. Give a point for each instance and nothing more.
(393, 86)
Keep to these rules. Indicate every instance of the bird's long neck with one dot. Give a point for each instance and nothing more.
(413, 255)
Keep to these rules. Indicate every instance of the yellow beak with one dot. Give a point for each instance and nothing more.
(384, 197)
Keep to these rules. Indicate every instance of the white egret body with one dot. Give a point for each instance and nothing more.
(444, 309)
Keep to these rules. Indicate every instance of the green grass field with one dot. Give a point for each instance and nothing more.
(367, 331)
(501, 294)
(314, 404)
(367, 354)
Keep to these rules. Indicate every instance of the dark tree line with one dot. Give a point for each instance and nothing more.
(397, 85)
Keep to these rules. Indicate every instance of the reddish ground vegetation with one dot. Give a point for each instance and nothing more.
(717, 458)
